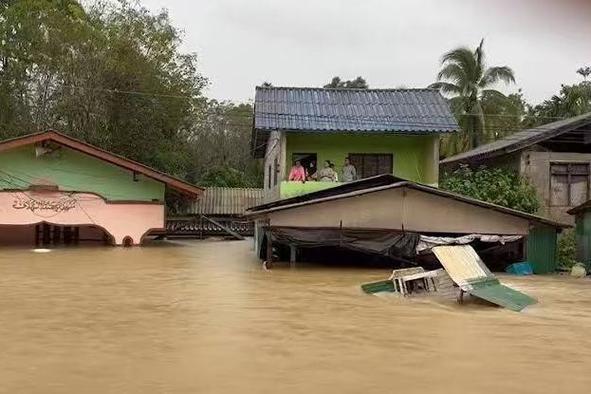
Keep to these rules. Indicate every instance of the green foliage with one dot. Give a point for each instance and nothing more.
(465, 77)
(567, 249)
(357, 83)
(112, 73)
(496, 185)
(573, 100)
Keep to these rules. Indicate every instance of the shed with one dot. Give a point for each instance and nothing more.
(582, 214)
(226, 201)
(386, 206)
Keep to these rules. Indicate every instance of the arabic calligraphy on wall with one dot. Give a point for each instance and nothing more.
(62, 205)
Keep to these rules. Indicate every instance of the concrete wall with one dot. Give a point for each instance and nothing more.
(74, 171)
(275, 151)
(536, 167)
(402, 209)
(120, 220)
(416, 158)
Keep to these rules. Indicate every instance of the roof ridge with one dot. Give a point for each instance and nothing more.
(346, 89)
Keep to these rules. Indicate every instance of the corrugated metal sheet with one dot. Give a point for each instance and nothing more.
(413, 111)
(462, 263)
(227, 201)
(541, 249)
(493, 291)
(521, 139)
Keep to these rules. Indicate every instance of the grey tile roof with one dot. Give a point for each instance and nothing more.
(520, 140)
(406, 111)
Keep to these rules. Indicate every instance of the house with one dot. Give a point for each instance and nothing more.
(55, 189)
(386, 215)
(382, 131)
(216, 211)
(555, 157)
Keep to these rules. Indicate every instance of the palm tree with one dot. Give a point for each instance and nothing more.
(584, 72)
(465, 77)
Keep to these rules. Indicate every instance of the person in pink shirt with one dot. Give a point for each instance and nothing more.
(297, 173)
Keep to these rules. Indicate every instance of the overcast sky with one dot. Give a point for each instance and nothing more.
(392, 43)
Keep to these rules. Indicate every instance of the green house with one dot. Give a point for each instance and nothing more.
(381, 131)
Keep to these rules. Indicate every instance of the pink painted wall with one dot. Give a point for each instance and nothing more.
(79, 209)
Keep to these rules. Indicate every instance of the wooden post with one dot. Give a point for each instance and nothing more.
(269, 256)
(292, 255)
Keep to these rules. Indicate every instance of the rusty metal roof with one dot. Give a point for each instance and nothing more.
(227, 201)
(520, 140)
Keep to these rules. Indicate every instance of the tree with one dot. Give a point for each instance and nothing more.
(219, 147)
(357, 83)
(111, 74)
(572, 100)
(495, 185)
(584, 72)
(465, 77)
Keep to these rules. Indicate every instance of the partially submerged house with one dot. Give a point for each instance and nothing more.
(382, 131)
(555, 157)
(389, 215)
(56, 189)
(219, 211)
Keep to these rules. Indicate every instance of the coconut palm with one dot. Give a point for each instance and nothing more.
(584, 72)
(465, 77)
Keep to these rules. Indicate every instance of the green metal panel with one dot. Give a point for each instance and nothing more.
(75, 171)
(492, 290)
(541, 249)
(583, 236)
(378, 287)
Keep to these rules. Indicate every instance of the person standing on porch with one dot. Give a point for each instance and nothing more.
(297, 173)
(349, 171)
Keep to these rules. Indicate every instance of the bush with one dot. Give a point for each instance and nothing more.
(495, 185)
(567, 249)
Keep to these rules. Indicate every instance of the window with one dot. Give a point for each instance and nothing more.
(269, 175)
(569, 184)
(371, 164)
(275, 171)
(308, 160)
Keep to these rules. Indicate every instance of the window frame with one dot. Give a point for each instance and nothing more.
(360, 174)
(552, 172)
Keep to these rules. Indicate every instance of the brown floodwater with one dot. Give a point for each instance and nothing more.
(202, 317)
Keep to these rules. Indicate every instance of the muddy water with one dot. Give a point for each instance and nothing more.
(201, 317)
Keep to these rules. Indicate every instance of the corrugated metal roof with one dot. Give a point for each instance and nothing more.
(521, 139)
(462, 263)
(411, 111)
(227, 201)
(383, 182)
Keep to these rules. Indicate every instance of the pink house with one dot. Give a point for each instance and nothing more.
(56, 189)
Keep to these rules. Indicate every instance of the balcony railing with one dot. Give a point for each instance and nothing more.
(293, 189)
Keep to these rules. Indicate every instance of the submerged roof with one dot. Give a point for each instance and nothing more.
(384, 182)
(227, 201)
(584, 207)
(91, 150)
(334, 109)
(521, 140)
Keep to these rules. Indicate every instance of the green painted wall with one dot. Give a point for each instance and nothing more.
(414, 157)
(75, 171)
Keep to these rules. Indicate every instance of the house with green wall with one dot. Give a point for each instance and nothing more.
(381, 131)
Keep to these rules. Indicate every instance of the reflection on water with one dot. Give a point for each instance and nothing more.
(203, 317)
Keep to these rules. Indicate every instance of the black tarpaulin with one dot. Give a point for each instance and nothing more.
(394, 244)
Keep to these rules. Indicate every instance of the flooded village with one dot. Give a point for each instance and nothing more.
(316, 239)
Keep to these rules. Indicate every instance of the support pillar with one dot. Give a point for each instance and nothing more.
(292, 255)
(269, 253)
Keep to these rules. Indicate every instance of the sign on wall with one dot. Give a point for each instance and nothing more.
(61, 205)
